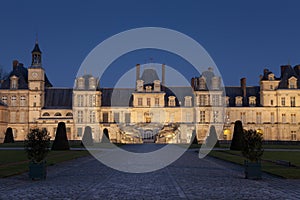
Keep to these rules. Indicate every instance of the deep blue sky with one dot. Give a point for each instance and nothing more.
(243, 37)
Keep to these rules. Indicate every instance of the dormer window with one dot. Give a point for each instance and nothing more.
(238, 101)
(271, 77)
(4, 99)
(171, 102)
(80, 83)
(188, 101)
(292, 83)
(140, 85)
(215, 83)
(156, 86)
(92, 83)
(148, 88)
(14, 82)
(252, 101)
(227, 100)
(202, 83)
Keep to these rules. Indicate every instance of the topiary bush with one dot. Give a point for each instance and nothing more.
(87, 138)
(9, 137)
(61, 140)
(237, 142)
(194, 137)
(37, 145)
(212, 138)
(253, 149)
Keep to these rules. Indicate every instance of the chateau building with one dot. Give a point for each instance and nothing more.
(150, 112)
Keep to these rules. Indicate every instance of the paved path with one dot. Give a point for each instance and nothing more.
(187, 178)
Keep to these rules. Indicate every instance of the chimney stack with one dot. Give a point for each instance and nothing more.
(283, 68)
(193, 83)
(138, 71)
(243, 87)
(163, 74)
(15, 64)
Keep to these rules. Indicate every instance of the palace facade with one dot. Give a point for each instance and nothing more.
(151, 112)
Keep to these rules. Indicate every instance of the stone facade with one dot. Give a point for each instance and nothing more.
(151, 112)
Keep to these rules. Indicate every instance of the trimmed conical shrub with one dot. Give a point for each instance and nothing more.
(61, 141)
(212, 138)
(194, 137)
(9, 137)
(237, 142)
(105, 136)
(87, 139)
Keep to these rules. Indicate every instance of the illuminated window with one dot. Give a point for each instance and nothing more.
(92, 117)
(202, 116)
(202, 100)
(80, 100)
(80, 83)
(92, 100)
(215, 116)
(80, 116)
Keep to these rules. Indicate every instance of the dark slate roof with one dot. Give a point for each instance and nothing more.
(287, 73)
(149, 76)
(179, 93)
(117, 96)
(233, 92)
(22, 73)
(58, 98)
(36, 48)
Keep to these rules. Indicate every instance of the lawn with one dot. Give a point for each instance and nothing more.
(14, 162)
(267, 166)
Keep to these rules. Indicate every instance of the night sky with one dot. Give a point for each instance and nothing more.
(242, 37)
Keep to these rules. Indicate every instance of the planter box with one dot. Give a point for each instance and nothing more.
(252, 170)
(38, 171)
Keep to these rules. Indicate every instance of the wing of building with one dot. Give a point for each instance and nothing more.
(150, 112)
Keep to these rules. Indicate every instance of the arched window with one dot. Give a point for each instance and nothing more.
(57, 114)
(46, 114)
(69, 114)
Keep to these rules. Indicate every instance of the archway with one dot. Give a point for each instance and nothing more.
(105, 136)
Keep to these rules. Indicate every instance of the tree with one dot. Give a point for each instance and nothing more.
(61, 141)
(237, 142)
(9, 137)
(87, 139)
(212, 138)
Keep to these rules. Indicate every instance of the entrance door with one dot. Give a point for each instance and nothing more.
(148, 136)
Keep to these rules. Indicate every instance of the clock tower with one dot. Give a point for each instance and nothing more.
(36, 84)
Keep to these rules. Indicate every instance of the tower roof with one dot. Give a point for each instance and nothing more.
(36, 48)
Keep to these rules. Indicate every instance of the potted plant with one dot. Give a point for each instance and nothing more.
(253, 152)
(37, 145)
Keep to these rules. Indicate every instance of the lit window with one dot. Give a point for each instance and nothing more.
(92, 117)
(92, 100)
(202, 116)
(202, 100)
(80, 100)
(80, 116)
(215, 116)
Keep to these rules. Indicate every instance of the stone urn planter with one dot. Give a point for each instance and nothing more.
(253, 152)
(37, 145)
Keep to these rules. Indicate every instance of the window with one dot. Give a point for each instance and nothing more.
(283, 118)
(57, 114)
(272, 118)
(202, 116)
(148, 88)
(80, 100)
(271, 87)
(293, 118)
(215, 100)
(80, 116)
(258, 117)
(4, 99)
(23, 101)
(127, 118)
(12, 117)
(243, 117)
(69, 114)
(293, 101)
(293, 135)
(227, 101)
(116, 117)
(148, 102)
(156, 101)
(272, 102)
(171, 101)
(283, 101)
(238, 101)
(252, 101)
(105, 117)
(80, 83)
(46, 114)
(140, 101)
(79, 132)
(215, 116)
(14, 82)
(202, 84)
(188, 117)
(13, 101)
(22, 117)
(92, 100)
(92, 83)
(92, 117)
(202, 100)
(188, 101)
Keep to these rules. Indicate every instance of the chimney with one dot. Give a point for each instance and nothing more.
(193, 83)
(283, 68)
(243, 87)
(163, 74)
(138, 71)
(297, 69)
(15, 64)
